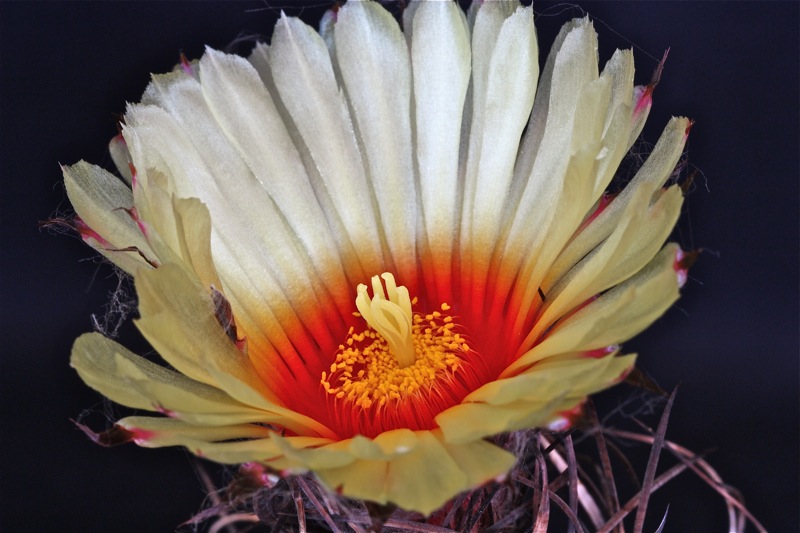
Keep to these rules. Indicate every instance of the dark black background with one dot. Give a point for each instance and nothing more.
(732, 340)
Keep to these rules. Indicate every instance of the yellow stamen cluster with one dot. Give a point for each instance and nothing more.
(373, 367)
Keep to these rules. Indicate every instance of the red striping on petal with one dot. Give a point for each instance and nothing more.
(88, 234)
(573, 415)
(564, 317)
(645, 100)
(291, 362)
(164, 411)
(433, 277)
(487, 312)
(116, 435)
(135, 217)
(683, 261)
(624, 375)
(292, 366)
(599, 353)
(602, 203)
(688, 129)
(140, 436)
(134, 177)
(186, 65)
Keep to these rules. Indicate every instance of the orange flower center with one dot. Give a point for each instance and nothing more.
(399, 352)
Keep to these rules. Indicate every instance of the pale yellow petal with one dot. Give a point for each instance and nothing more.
(178, 230)
(651, 176)
(422, 476)
(618, 124)
(193, 228)
(440, 54)
(136, 382)
(418, 471)
(532, 139)
(501, 104)
(421, 480)
(566, 376)
(614, 317)
(576, 192)
(634, 242)
(386, 446)
(246, 113)
(227, 445)
(152, 432)
(373, 60)
(469, 422)
(177, 317)
(121, 157)
(532, 399)
(301, 69)
(102, 201)
(479, 460)
(257, 255)
(575, 66)
(533, 214)
(257, 221)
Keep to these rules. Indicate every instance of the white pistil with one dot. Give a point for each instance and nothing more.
(391, 317)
